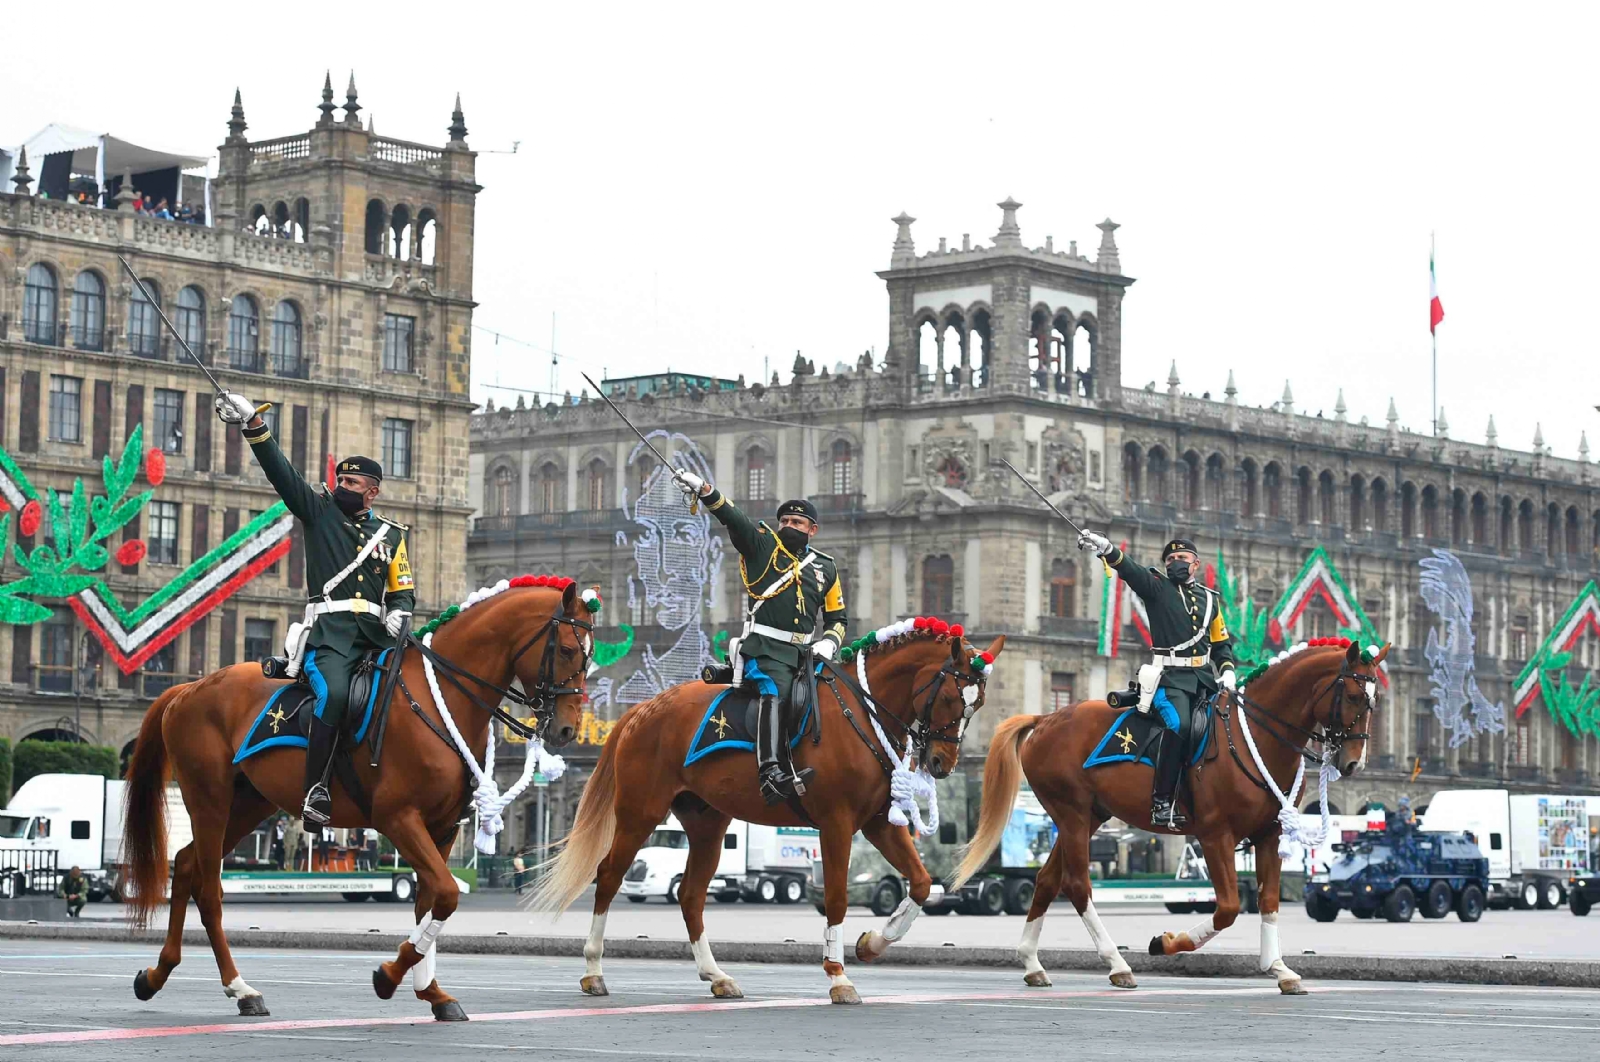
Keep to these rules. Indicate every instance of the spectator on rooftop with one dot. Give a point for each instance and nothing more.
(162, 211)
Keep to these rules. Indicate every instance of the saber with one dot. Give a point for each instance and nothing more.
(694, 504)
(1070, 522)
(175, 334)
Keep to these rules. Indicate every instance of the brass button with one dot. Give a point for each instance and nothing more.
(358, 594)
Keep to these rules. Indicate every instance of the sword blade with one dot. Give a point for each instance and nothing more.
(606, 399)
(175, 334)
(1040, 494)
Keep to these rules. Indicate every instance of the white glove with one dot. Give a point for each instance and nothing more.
(392, 621)
(824, 648)
(1094, 542)
(689, 483)
(234, 408)
(1230, 680)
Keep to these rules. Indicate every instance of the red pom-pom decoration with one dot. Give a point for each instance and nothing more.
(986, 657)
(956, 630)
(921, 623)
(155, 467)
(522, 580)
(131, 551)
(940, 627)
(28, 522)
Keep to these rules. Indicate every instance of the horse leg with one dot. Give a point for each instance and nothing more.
(147, 982)
(705, 831)
(1047, 886)
(424, 981)
(210, 842)
(631, 831)
(895, 844)
(1225, 883)
(836, 838)
(411, 838)
(1268, 865)
(1073, 839)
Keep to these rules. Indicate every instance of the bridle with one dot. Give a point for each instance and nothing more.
(1329, 735)
(542, 696)
(920, 733)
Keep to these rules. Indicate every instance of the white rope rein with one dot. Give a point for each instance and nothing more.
(906, 787)
(1294, 826)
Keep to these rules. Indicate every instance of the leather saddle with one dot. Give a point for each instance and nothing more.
(286, 717)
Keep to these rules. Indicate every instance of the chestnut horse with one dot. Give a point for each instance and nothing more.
(923, 686)
(1319, 694)
(418, 794)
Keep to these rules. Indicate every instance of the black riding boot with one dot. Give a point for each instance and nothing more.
(769, 735)
(319, 763)
(1164, 813)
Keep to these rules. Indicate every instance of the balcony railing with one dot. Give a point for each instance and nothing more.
(246, 360)
(284, 147)
(839, 504)
(53, 679)
(1069, 627)
(386, 150)
(44, 332)
(581, 518)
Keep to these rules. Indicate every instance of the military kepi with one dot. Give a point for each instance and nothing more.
(799, 507)
(1178, 545)
(361, 466)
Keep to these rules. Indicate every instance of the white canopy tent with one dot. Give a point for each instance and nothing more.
(100, 155)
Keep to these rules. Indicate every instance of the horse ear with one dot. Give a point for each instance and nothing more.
(569, 599)
(957, 653)
(998, 644)
(1352, 655)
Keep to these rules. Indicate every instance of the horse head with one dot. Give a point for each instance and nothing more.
(946, 692)
(551, 643)
(1342, 707)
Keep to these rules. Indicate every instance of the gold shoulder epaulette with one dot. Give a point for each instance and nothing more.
(392, 522)
(823, 555)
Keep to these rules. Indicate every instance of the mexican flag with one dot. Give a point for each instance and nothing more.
(1435, 307)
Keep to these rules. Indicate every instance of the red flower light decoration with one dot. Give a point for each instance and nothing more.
(28, 522)
(155, 466)
(131, 551)
(5, 506)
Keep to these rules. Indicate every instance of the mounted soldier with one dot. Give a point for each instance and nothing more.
(1193, 653)
(788, 583)
(360, 579)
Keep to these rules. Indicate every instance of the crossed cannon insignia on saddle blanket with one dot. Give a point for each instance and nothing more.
(1131, 737)
(286, 717)
(730, 722)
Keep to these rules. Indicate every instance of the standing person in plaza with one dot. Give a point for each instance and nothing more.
(74, 888)
(788, 583)
(360, 580)
(277, 841)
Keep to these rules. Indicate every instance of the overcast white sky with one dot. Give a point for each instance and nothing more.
(704, 187)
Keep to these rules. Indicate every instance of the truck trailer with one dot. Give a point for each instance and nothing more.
(1536, 843)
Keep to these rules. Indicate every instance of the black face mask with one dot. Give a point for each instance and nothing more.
(794, 540)
(350, 502)
(1179, 571)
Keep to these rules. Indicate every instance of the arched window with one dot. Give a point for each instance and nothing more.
(39, 305)
(1525, 527)
(549, 488)
(1430, 512)
(144, 328)
(1191, 481)
(1156, 476)
(260, 221)
(400, 233)
(757, 485)
(1480, 520)
(1458, 517)
(1552, 530)
(1325, 499)
(286, 339)
(1252, 488)
(979, 348)
(1380, 505)
(375, 227)
(1302, 496)
(503, 491)
(302, 220)
(1574, 547)
(1063, 587)
(1358, 504)
(596, 476)
(281, 228)
(938, 585)
(1508, 542)
(929, 352)
(427, 235)
(1215, 483)
(244, 334)
(1085, 341)
(1040, 359)
(191, 321)
(840, 463)
(1272, 487)
(88, 312)
(1132, 470)
(1408, 510)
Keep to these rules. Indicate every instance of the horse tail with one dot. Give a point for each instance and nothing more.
(1002, 777)
(144, 816)
(578, 853)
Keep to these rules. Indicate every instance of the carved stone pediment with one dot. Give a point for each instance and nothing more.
(950, 456)
(1062, 450)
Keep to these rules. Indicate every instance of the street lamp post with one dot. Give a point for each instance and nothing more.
(86, 673)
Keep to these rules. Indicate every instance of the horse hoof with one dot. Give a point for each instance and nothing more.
(253, 1007)
(595, 985)
(845, 994)
(1124, 979)
(726, 989)
(1158, 945)
(382, 985)
(449, 1011)
(1291, 988)
(141, 986)
(1036, 979)
(864, 952)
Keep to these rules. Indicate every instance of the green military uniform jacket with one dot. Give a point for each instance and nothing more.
(762, 562)
(332, 541)
(1177, 613)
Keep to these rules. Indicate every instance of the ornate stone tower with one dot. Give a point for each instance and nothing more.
(1006, 318)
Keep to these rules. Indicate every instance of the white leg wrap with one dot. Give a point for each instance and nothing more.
(237, 989)
(901, 920)
(425, 934)
(1202, 933)
(833, 944)
(595, 946)
(422, 973)
(1028, 950)
(1103, 944)
(703, 961)
(1271, 952)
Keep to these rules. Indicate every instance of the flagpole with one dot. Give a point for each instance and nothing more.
(1434, 334)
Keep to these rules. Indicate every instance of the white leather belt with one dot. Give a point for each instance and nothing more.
(1163, 660)
(359, 605)
(792, 637)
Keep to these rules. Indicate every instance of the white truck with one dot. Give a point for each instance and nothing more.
(1536, 842)
(762, 864)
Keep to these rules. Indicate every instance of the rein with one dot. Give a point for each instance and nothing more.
(1329, 735)
(545, 690)
(915, 737)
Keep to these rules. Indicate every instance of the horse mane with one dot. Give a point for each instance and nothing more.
(916, 629)
(591, 598)
(1271, 669)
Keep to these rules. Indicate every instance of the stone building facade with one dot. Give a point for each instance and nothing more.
(1013, 352)
(336, 283)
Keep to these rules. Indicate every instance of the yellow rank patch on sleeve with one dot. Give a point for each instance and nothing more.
(1219, 630)
(400, 570)
(835, 598)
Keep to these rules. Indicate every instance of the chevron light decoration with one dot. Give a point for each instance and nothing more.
(1544, 676)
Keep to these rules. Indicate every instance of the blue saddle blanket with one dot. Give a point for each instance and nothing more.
(730, 723)
(286, 718)
(1131, 737)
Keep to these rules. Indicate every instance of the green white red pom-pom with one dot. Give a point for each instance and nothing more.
(591, 599)
(554, 582)
(866, 642)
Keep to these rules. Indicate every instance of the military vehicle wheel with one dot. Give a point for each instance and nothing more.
(1019, 896)
(1527, 896)
(1549, 895)
(791, 891)
(1469, 905)
(1400, 904)
(1181, 908)
(1321, 908)
(991, 899)
(885, 898)
(1580, 904)
(1438, 902)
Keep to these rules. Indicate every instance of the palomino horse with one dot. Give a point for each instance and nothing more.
(923, 686)
(530, 633)
(1321, 694)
